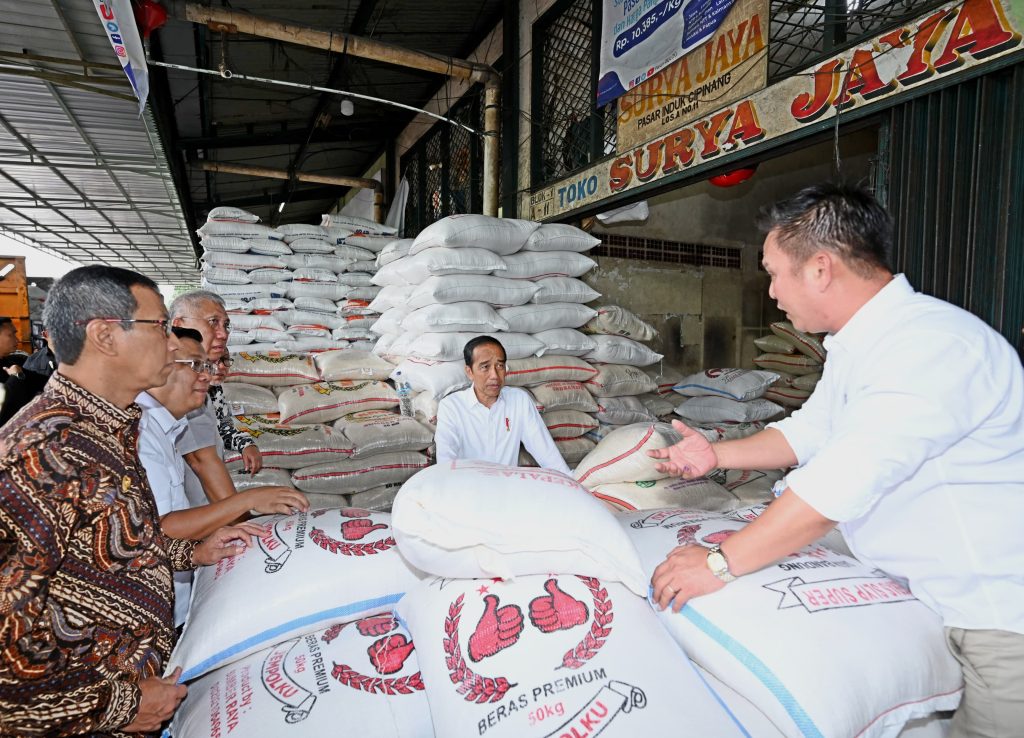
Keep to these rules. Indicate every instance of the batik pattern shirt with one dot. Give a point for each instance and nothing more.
(86, 594)
(232, 437)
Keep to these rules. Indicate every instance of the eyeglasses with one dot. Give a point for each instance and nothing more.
(214, 323)
(164, 323)
(198, 366)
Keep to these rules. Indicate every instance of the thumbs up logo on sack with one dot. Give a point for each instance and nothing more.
(354, 530)
(556, 610)
(388, 654)
(499, 628)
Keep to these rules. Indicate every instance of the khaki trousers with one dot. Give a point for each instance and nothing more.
(993, 666)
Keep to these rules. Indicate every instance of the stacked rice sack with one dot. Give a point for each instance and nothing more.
(725, 404)
(797, 358)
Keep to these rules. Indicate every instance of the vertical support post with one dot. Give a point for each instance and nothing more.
(492, 118)
(378, 205)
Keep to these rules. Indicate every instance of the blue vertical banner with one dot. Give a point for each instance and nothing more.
(639, 38)
(118, 22)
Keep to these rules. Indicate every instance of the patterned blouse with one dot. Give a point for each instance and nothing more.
(233, 438)
(86, 596)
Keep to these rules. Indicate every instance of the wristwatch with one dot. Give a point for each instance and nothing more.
(718, 564)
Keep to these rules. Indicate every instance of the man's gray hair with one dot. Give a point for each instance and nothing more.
(84, 294)
(188, 304)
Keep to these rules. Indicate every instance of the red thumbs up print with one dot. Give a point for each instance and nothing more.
(377, 625)
(556, 610)
(354, 530)
(388, 654)
(354, 512)
(499, 628)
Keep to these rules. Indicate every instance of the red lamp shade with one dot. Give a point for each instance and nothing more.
(734, 177)
(149, 16)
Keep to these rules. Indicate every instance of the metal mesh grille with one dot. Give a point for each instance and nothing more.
(434, 163)
(414, 205)
(461, 156)
(671, 252)
(806, 31)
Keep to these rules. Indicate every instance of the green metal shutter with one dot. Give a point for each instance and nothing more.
(955, 187)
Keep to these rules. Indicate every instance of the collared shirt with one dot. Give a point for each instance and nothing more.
(86, 607)
(467, 429)
(201, 432)
(165, 468)
(914, 441)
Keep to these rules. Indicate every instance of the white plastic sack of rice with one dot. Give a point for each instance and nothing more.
(716, 432)
(554, 655)
(721, 409)
(424, 409)
(563, 289)
(306, 572)
(613, 320)
(449, 346)
(697, 494)
(541, 265)
(308, 317)
(249, 322)
(327, 290)
(226, 213)
(565, 342)
(618, 380)
(496, 291)
(239, 245)
(246, 261)
(355, 279)
(397, 249)
(295, 231)
(621, 350)
(265, 477)
(330, 262)
(772, 344)
(501, 235)
(300, 344)
(356, 475)
(223, 275)
(736, 384)
(380, 498)
(272, 369)
(574, 450)
(623, 411)
(369, 242)
(347, 333)
(439, 262)
(750, 486)
(535, 318)
(357, 224)
(657, 405)
(351, 364)
(564, 395)
(792, 397)
(311, 246)
(790, 363)
(466, 317)
(564, 424)
(323, 402)
(621, 456)
(293, 447)
(353, 254)
(560, 237)
(238, 230)
(806, 343)
(389, 297)
(468, 519)
(381, 431)
(248, 399)
(534, 371)
(363, 675)
(764, 634)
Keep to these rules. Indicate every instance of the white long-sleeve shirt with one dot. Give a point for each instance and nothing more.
(466, 429)
(914, 441)
(158, 431)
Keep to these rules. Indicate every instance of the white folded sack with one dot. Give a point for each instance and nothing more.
(719, 409)
(541, 265)
(500, 235)
(435, 378)
(351, 364)
(621, 350)
(323, 402)
(565, 342)
(560, 237)
(495, 291)
(466, 519)
(454, 317)
(449, 346)
(621, 456)
(438, 262)
(536, 318)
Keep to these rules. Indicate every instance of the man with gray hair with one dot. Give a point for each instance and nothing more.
(86, 596)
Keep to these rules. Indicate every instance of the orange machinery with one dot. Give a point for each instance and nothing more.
(14, 298)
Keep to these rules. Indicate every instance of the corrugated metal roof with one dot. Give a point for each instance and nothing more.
(82, 175)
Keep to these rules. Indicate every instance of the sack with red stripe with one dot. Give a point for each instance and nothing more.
(807, 344)
(292, 446)
(621, 456)
(789, 363)
(272, 369)
(323, 402)
(305, 572)
(356, 475)
(564, 424)
(379, 431)
(534, 371)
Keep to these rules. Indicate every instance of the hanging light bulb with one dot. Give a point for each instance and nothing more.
(347, 107)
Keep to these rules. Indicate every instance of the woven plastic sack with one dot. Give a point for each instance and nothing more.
(328, 261)
(380, 431)
(545, 264)
(293, 447)
(350, 364)
(617, 321)
(308, 571)
(564, 424)
(699, 494)
(390, 322)
(478, 317)
(621, 456)
(327, 290)
(323, 402)
(248, 399)
(310, 344)
(563, 289)
(272, 369)
(265, 477)
(721, 409)
(616, 380)
(364, 675)
(239, 230)
(500, 235)
(230, 260)
(773, 344)
(621, 350)
(311, 246)
(394, 251)
(295, 231)
(564, 396)
(439, 262)
(665, 377)
(352, 253)
(449, 346)
(623, 411)
(536, 318)
(807, 381)
(534, 371)
(495, 291)
(249, 322)
(560, 237)
(736, 384)
(309, 317)
(379, 498)
(230, 214)
(657, 405)
(796, 364)
(373, 240)
(390, 297)
(574, 450)
(729, 431)
(565, 342)
(223, 275)
(235, 244)
(807, 344)
(356, 475)
(787, 396)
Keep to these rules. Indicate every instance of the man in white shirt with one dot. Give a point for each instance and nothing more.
(163, 421)
(488, 421)
(913, 441)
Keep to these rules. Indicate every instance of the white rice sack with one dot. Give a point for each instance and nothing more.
(323, 402)
(309, 317)
(252, 348)
(367, 292)
(337, 234)
(328, 502)
(270, 275)
(295, 231)
(390, 276)
(554, 655)
(563, 289)
(719, 409)
(329, 262)
(272, 369)
(363, 675)
(248, 399)
(371, 241)
(390, 321)
(299, 331)
(311, 274)
(500, 235)
(564, 424)
(380, 431)
(762, 634)
(560, 237)
(345, 333)
(448, 346)
(357, 321)
(229, 260)
(293, 446)
(353, 254)
(807, 381)
(466, 519)
(311, 246)
(565, 342)
(716, 432)
(424, 409)
(749, 486)
(349, 364)
(329, 291)
(773, 344)
(807, 344)
(621, 350)
(564, 396)
(623, 411)
(542, 265)
(354, 306)
(471, 287)
(315, 305)
(796, 364)
(536, 318)
(791, 397)
(736, 384)
(389, 297)
(439, 378)
(357, 224)
(369, 266)
(355, 279)
(356, 475)
(665, 377)
(399, 348)
(616, 380)
(530, 372)
(269, 304)
(621, 456)
(308, 571)
(574, 450)
(234, 244)
(395, 250)
(443, 261)
(475, 317)
(239, 338)
(238, 230)
(657, 405)
(230, 214)
(245, 293)
(307, 344)
(697, 494)
(613, 320)
(379, 498)
(222, 275)
(248, 322)
(265, 477)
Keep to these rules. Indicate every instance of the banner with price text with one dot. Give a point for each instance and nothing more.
(639, 38)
